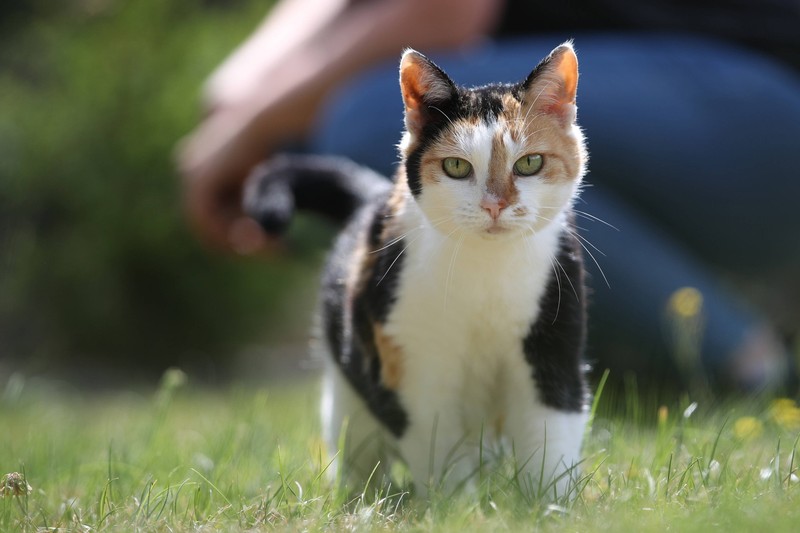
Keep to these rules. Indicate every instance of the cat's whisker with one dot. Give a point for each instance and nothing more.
(419, 233)
(569, 280)
(584, 239)
(527, 137)
(440, 222)
(531, 134)
(589, 216)
(528, 111)
(443, 114)
(546, 86)
(451, 232)
(393, 262)
(527, 120)
(398, 239)
(435, 223)
(540, 217)
(396, 258)
(581, 241)
(553, 262)
(532, 106)
(576, 235)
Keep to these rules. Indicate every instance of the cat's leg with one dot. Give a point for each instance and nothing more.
(439, 453)
(355, 440)
(545, 441)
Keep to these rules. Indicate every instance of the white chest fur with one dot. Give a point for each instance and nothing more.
(464, 304)
(463, 308)
(469, 300)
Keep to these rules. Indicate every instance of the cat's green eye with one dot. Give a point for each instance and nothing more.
(528, 165)
(456, 168)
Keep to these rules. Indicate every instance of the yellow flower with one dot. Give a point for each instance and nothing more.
(663, 415)
(785, 413)
(686, 302)
(747, 427)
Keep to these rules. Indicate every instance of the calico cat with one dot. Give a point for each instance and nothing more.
(452, 307)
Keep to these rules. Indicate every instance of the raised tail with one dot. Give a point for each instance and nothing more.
(331, 186)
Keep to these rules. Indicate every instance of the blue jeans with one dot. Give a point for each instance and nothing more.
(694, 149)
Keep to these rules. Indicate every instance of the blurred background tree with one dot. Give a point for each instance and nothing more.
(98, 274)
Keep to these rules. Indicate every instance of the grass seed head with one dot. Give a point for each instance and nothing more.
(14, 484)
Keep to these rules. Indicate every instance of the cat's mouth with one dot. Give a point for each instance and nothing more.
(496, 229)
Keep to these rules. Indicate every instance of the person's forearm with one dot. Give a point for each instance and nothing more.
(289, 93)
(376, 30)
(289, 24)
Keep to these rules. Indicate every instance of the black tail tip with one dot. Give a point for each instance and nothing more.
(268, 197)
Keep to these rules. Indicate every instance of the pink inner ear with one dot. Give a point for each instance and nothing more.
(413, 88)
(567, 69)
(554, 91)
(410, 83)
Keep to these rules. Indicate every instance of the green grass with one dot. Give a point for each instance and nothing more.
(182, 459)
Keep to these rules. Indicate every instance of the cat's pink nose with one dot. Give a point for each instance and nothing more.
(493, 205)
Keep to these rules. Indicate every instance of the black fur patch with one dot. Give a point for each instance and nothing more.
(349, 321)
(380, 292)
(556, 342)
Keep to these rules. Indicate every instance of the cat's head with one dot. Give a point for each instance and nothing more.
(499, 160)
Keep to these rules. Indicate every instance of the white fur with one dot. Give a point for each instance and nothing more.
(466, 299)
(366, 442)
(462, 313)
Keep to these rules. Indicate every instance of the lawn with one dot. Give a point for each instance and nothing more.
(185, 458)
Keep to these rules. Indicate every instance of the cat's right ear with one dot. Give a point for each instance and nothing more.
(424, 86)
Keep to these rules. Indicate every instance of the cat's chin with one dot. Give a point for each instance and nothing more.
(498, 233)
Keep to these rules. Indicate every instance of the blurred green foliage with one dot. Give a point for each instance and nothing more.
(97, 268)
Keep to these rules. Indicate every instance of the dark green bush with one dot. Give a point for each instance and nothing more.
(97, 269)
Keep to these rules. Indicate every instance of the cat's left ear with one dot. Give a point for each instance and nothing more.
(425, 88)
(552, 85)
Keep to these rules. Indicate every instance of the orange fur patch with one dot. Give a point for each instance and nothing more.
(501, 181)
(391, 356)
(544, 134)
(429, 168)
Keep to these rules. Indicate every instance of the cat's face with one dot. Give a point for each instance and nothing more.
(496, 161)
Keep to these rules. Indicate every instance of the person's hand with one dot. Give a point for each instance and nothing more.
(214, 161)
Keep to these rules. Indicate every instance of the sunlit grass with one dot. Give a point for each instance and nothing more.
(184, 459)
